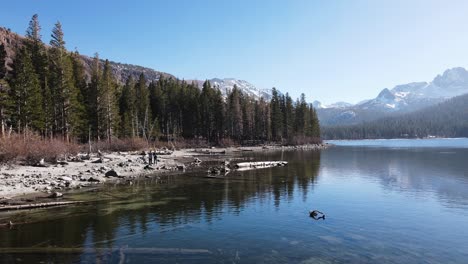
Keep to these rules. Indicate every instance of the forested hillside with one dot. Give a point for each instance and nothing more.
(447, 119)
(49, 91)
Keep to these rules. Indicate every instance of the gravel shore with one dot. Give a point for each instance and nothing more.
(77, 172)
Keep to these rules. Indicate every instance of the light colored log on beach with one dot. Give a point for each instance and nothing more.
(36, 205)
(261, 164)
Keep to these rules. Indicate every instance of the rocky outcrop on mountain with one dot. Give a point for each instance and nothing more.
(121, 71)
(9, 40)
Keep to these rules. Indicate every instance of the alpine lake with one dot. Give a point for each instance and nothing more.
(385, 201)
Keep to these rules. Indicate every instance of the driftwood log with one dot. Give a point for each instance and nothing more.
(36, 205)
(260, 164)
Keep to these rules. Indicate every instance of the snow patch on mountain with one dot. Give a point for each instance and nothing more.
(227, 84)
(319, 105)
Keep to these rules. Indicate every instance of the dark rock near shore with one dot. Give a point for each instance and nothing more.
(56, 195)
(112, 173)
(97, 161)
(94, 179)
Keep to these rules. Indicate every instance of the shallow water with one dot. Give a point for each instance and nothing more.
(382, 205)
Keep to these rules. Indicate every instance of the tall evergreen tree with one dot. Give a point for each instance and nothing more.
(142, 106)
(127, 109)
(26, 95)
(276, 116)
(40, 63)
(62, 84)
(288, 117)
(218, 115)
(79, 114)
(158, 104)
(206, 115)
(94, 99)
(107, 107)
(5, 101)
(234, 114)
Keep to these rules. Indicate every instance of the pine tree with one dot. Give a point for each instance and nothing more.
(93, 98)
(34, 30)
(127, 109)
(63, 88)
(247, 118)
(26, 95)
(5, 101)
(276, 116)
(79, 114)
(142, 106)
(288, 117)
(234, 114)
(158, 99)
(206, 116)
(218, 115)
(40, 63)
(314, 123)
(107, 107)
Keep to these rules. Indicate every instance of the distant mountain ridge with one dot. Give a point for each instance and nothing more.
(446, 119)
(403, 98)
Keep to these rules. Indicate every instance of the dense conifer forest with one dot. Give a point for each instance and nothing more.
(46, 91)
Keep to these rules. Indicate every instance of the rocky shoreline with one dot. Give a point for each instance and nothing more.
(50, 180)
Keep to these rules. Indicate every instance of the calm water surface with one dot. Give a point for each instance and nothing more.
(394, 204)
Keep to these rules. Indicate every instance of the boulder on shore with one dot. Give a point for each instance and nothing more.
(56, 195)
(112, 173)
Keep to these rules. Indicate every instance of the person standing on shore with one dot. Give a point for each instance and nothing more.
(151, 157)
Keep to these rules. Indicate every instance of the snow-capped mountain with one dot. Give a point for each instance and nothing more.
(400, 99)
(225, 86)
(319, 105)
(412, 96)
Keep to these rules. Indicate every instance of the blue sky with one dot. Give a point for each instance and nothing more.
(330, 50)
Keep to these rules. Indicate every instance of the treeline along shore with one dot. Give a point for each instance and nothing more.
(46, 90)
(54, 106)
